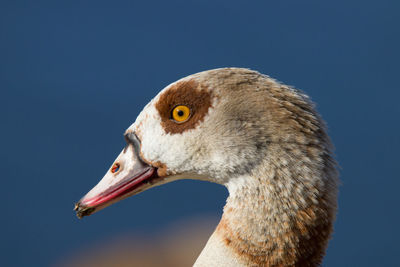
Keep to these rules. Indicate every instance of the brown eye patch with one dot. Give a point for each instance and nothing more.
(188, 93)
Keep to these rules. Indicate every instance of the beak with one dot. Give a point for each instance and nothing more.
(128, 176)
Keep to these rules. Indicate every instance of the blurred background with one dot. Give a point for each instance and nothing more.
(75, 74)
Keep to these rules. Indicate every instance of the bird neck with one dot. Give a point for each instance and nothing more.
(281, 215)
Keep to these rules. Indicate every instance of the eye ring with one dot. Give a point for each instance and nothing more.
(180, 113)
(115, 168)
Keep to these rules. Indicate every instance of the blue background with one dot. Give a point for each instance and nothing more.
(75, 74)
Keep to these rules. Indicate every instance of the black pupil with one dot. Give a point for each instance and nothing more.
(180, 113)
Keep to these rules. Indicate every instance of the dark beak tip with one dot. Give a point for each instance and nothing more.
(82, 210)
(76, 206)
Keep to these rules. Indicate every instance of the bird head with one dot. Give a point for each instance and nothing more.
(214, 125)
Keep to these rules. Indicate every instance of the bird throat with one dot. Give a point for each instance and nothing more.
(280, 216)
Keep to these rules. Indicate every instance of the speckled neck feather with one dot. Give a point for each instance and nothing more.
(281, 218)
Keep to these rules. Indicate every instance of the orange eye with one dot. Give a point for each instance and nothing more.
(180, 113)
(115, 168)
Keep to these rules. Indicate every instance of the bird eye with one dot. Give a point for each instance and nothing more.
(115, 168)
(180, 113)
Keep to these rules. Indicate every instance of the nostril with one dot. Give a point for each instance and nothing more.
(115, 168)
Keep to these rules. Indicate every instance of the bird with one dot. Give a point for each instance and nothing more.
(261, 139)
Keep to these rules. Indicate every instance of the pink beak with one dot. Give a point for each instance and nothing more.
(128, 176)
